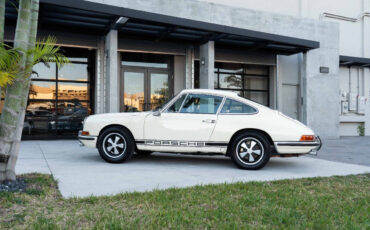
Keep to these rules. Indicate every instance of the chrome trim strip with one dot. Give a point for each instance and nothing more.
(86, 138)
(221, 105)
(297, 144)
(316, 145)
(176, 143)
(182, 104)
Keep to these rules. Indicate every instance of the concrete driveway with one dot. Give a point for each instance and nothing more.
(81, 172)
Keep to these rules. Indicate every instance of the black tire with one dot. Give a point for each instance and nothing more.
(143, 153)
(247, 157)
(116, 145)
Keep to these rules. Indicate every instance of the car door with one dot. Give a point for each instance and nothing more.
(191, 118)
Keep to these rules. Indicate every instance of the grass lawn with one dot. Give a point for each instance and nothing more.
(319, 203)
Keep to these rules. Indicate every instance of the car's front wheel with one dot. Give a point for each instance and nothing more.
(250, 150)
(115, 145)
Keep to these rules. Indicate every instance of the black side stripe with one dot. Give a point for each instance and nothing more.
(216, 143)
(181, 143)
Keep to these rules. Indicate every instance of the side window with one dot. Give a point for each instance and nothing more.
(200, 103)
(232, 106)
(175, 107)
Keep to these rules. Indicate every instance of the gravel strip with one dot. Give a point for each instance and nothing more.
(19, 185)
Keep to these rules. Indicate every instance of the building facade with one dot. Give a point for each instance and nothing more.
(308, 59)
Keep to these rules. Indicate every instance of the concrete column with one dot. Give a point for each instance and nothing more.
(99, 80)
(321, 92)
(207, 65)
(112, 73)
(189, 68)
(366, 30)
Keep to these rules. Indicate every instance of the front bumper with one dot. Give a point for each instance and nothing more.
(298, 147)
(88, 141)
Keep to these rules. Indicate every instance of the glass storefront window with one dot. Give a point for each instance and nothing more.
(39, 114)
(146, 83)
(229, 68)
(133, 92)
(230, 81)
(248, 81)
(43, 71)
(70, 116)
(257, 70)
(256, 83)
(59, 98)
(145, 64)
(75, 91)
(42, 90)
(159, 92)
(73, 72)
(259, 97)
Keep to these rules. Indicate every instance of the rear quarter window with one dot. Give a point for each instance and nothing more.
(232, 106)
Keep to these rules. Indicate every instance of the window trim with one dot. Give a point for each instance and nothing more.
(172, 102)
(208, 94)
(257, 111)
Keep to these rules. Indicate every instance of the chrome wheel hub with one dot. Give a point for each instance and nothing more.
(114, 145)
(249, 151)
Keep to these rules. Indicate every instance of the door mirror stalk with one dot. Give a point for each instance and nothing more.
(157, 113)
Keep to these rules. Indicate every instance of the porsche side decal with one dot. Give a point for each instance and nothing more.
(180, 143)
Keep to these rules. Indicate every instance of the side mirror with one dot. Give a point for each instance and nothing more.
(157, 113)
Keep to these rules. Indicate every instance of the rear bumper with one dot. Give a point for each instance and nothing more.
(298, 147)
(88, 141)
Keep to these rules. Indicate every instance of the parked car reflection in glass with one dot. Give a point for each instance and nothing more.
(38, 115)
(70, 116)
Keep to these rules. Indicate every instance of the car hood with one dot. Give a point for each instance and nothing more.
(115, 116)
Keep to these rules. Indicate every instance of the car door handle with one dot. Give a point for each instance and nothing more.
(209, 121)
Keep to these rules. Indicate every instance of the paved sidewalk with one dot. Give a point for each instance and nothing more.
(81, 172)
(353, 150)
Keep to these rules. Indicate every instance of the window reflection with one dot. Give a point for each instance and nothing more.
(43, 71)
(230, 81)
(42, 90)
(249, 81)
(158, 90)
(133, 92)
(38, 116)
(256, 83)
(73, 71)
(259, 97)
(70, 116)
(69, 91)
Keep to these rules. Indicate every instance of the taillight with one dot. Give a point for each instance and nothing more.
(307, 138)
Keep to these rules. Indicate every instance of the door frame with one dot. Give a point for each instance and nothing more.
(147, 71)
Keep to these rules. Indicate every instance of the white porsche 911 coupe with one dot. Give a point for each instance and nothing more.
(201, 121)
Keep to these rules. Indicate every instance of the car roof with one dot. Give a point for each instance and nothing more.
(212, 91)
(225, 93)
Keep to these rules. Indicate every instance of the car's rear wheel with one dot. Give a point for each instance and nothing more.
(250, 150)
(115, 145)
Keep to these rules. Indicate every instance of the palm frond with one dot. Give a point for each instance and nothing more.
(46, 51)
(9, 59)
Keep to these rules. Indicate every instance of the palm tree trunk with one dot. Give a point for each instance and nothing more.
(12, 105)
(2, 19)
(2, 25)
(26, 87)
